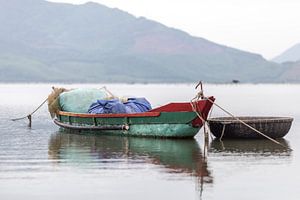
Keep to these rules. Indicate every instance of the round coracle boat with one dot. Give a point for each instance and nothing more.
(229, 127)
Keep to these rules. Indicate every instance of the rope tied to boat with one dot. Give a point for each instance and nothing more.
(193, 102)
(52, 101)
(195, 109)
(29, 116)
(199, 95)
(223, 131)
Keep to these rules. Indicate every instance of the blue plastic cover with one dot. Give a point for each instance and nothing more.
(133, 105)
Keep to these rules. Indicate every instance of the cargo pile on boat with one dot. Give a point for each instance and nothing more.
(94, 101)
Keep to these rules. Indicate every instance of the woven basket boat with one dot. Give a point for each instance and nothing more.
(274, 127)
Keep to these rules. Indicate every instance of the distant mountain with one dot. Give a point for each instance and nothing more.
(42, 41)
(290, 55)
(290, 60)
(292, 72)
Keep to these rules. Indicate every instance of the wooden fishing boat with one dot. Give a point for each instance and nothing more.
(228, 127)
(176, 120)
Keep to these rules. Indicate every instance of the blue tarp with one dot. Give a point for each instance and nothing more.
(133, 105)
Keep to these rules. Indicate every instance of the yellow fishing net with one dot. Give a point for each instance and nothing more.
(53, 101)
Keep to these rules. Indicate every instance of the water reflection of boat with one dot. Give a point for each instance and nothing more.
(255, 147)
(174, 156)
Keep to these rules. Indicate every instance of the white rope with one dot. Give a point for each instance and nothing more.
(223, 131)
(197, 112)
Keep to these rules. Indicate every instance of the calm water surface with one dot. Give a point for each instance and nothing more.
(42, 163)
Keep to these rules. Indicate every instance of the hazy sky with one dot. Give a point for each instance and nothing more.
(267, 27)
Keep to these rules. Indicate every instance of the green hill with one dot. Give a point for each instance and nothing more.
(46, 42)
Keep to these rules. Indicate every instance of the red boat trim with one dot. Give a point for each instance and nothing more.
(182, 107)
(203, 106)
(84, 115)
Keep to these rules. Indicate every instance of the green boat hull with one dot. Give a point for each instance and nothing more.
(145, 130)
